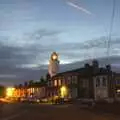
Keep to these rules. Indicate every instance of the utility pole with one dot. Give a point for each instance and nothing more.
(110, 31)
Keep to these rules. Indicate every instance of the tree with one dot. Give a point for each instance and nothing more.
(108, 67)
(2, 91)
(25, 88)
(20, 86)
(43, 81)
(25, 84)
(48, 77)
(31, 83)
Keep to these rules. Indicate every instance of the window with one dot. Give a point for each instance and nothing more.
(59, 82)
(118, 81)
(69, 80)
(49, 83)
(52, 84)
(84, 83)
(74, 79)
(104, 81)
(55, 82)
(97, 82)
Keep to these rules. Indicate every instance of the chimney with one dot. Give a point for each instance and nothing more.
(108, 67)
(86, 65)
(95, 64)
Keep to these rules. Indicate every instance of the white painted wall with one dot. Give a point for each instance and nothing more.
(100, 92)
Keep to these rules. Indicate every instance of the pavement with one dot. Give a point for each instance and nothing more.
(51, 112)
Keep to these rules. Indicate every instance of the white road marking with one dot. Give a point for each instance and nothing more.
(13, 116)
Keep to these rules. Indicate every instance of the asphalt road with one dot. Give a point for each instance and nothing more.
(51, 112)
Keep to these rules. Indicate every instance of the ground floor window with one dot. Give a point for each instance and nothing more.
(118, 92)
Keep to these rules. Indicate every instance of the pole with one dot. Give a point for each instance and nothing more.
(110, 31)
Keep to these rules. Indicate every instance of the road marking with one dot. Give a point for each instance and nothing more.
(13, 116)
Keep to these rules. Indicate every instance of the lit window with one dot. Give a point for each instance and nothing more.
(118, 91)
(59, 82)
(55, 82)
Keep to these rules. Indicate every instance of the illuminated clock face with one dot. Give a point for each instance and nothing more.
(54, 57)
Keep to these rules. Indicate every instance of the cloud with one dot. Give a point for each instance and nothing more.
(95, 43)
(27, 62)
(88, 49)
(40, 33)
(7, 76)
(16, 63)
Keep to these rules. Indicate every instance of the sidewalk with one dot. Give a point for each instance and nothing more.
(113, 108)
(103, 108)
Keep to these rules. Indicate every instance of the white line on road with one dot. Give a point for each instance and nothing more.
(13, 116)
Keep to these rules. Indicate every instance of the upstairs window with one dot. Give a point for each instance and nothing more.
(55, 82)
(97, 82)
(74, 79)
(69, 80)
(104, 82)
(59, 82)
(84, 83)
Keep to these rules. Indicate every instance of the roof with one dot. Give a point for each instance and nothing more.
(84, 72)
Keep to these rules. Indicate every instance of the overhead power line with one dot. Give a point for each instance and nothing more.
(110, 30)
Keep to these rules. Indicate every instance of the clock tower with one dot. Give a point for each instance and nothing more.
(53, 64)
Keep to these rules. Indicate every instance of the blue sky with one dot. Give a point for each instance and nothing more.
(33, 29)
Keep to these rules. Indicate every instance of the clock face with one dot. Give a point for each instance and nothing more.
(54, 57)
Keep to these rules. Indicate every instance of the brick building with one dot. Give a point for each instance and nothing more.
(117, 85)
(89, 82)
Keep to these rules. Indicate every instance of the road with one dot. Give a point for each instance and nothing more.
(51, 112)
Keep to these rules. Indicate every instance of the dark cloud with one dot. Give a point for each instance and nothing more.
(12, 58)
(95, 43)
(38, 34)
(20, 75)
(114, 60)
(101, 42)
